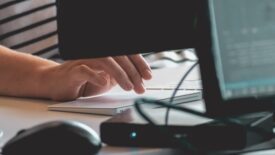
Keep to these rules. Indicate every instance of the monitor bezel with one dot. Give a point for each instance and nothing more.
(214, 102)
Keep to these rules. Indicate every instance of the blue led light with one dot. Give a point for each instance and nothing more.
(133, 135)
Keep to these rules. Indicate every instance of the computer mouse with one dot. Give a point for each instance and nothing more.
(54, 138)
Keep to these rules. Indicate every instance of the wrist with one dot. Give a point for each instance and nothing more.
(44, 87)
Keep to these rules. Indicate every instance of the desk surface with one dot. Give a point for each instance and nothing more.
(19, 113)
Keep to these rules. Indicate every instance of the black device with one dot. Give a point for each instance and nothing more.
(129, 129)
(54, 138)
(89, 29)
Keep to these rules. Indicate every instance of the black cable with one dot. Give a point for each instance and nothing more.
(186, 144)
(178, 61)
(170, 106)
(169, 58)
(147, 54)
(141, 101)
(137, 104)
(176, 90)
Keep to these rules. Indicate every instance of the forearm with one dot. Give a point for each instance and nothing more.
(22, 74)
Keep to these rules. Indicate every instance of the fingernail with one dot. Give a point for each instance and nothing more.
(140, 89)
(143, 88)
(148, 74)
(129, 86)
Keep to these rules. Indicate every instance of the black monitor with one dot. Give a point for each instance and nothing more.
(234, 39)
(99, 28)
(236, 49)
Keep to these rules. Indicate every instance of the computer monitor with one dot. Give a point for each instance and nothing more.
(89, 29)
(236, 49)
(234, 40)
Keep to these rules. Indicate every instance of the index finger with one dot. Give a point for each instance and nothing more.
(142, 66)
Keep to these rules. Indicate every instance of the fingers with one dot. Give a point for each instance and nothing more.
(116, 71)
(128, 71)
(132, 72)
(141, 65)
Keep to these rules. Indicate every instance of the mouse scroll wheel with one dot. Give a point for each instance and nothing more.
(21, 131)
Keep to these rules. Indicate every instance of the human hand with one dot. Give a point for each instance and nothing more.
(87, 77)
(128, 71)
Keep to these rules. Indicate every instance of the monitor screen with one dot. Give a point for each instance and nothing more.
(243, 38)
(100, 28)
